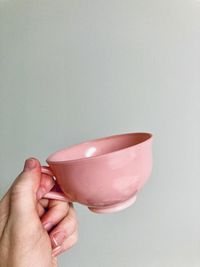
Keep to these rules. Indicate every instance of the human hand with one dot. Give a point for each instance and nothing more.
(33, 231)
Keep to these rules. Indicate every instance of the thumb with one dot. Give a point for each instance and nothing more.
(23, 200)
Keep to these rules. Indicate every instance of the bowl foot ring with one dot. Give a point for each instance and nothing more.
(116, 207)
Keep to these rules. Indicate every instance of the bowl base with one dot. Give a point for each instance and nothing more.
(116, 207)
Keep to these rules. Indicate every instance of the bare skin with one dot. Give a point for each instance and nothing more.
(33, 230)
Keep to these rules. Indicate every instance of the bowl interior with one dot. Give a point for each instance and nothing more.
(99, 147)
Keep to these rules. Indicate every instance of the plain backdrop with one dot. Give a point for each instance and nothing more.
(81, 69)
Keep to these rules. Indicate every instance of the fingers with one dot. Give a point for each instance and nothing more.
(46, 184)
(4, 202)
(65, 234)
(44, 202)
(42, 206)
(57, 210)
(23, 192)
(4, 212)
(66, 245)
(21, 183)
(21, 196)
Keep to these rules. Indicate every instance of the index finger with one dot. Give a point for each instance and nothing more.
(46, 184)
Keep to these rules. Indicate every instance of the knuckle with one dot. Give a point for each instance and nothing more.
(72, 223)
(16, 191)
(59, 205)
(72, 215)
(71, 241)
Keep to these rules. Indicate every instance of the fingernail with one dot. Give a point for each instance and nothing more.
(57, 239)
(56, 251)
(47, 226)
(41, 192)
(29, 164)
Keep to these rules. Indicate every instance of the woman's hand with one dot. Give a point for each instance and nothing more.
(33, 231)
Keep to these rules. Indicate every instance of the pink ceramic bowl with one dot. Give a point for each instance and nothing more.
(104, 174)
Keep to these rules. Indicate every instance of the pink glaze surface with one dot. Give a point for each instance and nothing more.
(104, 174)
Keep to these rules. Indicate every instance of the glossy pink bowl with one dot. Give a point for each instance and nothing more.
(104, 174)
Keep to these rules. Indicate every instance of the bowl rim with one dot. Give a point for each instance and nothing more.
(80, 160)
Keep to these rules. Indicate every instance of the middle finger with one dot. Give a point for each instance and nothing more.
(57, 210)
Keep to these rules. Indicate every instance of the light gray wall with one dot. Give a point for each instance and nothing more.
(75, 70)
